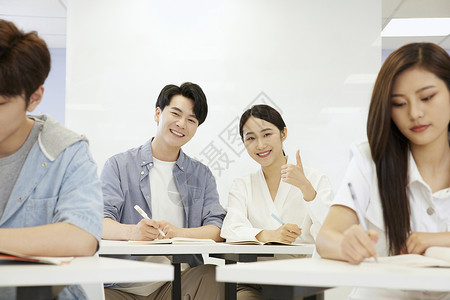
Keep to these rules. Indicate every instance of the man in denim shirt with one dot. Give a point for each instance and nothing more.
(178, 194)
(50, 195)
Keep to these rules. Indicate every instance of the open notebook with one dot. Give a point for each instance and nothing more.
(254, 242)
(433, 257)
(6, 255)
(176, 240)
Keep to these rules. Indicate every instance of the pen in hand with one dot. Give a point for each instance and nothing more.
(280, 221)
(361, 219)
(277, 219)
(144, 215)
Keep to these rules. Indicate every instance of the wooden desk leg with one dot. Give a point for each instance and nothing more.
(176, 283)
(230, 287)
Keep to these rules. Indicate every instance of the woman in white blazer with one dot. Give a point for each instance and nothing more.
(296, 195)
(401, 176)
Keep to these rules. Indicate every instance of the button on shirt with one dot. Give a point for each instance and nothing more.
(430, 212)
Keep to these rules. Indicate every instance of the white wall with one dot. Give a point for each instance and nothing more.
(53, 102)
(314, 60)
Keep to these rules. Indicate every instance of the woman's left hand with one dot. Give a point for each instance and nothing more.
(294, 174)
(418, 242)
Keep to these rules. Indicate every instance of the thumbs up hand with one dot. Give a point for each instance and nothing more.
(299, 159)
(294, 174)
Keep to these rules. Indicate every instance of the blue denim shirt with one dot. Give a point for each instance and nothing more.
(125, 183)
(58, 183)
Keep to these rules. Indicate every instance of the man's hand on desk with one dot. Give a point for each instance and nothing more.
(170, 230)
(145, 230)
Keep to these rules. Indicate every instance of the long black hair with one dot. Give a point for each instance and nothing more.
(388, 145)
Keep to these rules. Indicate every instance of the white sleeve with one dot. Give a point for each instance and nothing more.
(318, 208)
(359, 174)
(236, 225)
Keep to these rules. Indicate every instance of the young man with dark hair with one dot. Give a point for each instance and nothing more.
(50, 195)
(177, 192)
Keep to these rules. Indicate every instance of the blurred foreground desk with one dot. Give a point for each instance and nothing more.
(286, 279)
(183, 254)
(91, 272)
(251, 253)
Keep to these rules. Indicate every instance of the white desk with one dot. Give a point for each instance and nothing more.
(250, 253)
(83, 270)
(108, 247)
(180, 253)
(90, 272)
(310, 272)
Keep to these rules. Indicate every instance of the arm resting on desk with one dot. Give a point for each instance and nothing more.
(419, 242)
(286, 233)
(145, 230)
(57, 239)
(202, 232)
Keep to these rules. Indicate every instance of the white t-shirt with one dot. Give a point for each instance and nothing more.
(166, 200)
(430, 212)
(166, 205)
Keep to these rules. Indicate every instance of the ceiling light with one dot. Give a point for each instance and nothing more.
(417, 27)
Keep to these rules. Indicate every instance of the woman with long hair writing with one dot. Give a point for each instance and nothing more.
(401, 176)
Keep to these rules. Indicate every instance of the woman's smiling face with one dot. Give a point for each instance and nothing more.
(263, 141)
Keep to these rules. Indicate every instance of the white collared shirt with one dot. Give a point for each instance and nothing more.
(430, 212)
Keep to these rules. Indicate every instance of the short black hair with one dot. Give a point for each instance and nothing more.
(189, 90)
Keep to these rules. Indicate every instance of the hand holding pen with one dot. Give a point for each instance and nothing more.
(287, 233)
(144, 215)
(358, 242)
